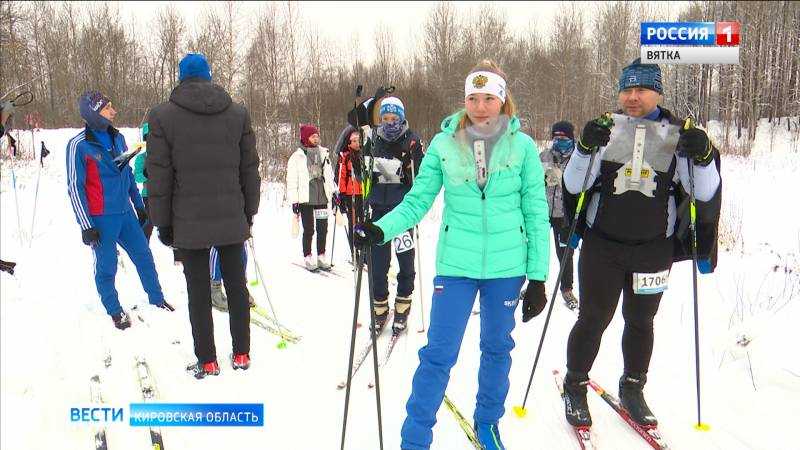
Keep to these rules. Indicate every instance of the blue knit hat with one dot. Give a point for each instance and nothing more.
(194, 65)
(641, 75)
(393, 105)
(90, 103)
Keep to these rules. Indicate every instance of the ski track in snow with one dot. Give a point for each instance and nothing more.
(54, 334)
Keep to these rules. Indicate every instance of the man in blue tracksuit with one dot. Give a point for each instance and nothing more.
(101, 194)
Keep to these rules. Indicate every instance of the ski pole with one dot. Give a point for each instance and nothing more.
(365, 253)
(693, 227)
(282, 344)
(333, 244)
(520, 410)
(419, 258)
(14, 184)
(35, 201)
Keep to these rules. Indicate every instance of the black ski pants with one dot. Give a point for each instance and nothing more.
(195, 268)
(605, 269)
(353, 216)
(561, 235)
(307, 217)
(379, 266)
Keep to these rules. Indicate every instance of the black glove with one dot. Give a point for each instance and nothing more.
(165, 236)
(335, 200)
(249, 220)
(694, 144)
(141, 214)
(296, 208)
(91, 236)
(595, 134)
(367, 234)
(534, 300)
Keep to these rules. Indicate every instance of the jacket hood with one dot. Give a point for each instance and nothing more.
(200, 96)
(450, 123)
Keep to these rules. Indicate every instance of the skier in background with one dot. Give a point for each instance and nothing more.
(635, 230)
(347, 177)
(101, 194)
(309, 185)
(397, 153)
(218, 298)
(554, 161)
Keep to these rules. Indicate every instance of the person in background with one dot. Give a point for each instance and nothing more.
(348, 197)
(101, 194)
(396, 152)
(554, 161)
(218, 298)
(309, 185)
(204, 190)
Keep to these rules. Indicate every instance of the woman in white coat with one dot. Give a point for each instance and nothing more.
(309, 185)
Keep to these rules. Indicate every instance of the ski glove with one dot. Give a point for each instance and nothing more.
(296, 208)
(367, 234)
(694, 144)
(249, 220)
(595, 135)
(141, 214)
(91, 236)
(335, 199)
(165, 236)
(533, 300)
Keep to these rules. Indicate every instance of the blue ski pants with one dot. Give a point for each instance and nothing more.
(213, 263)
(123, 229)
(451, 309)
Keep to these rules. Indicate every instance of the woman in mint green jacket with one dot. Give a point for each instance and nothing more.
(494, 233)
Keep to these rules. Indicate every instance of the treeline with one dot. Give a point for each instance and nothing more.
(288, 74)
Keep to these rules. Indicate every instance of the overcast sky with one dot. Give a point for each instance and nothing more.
(339, 20)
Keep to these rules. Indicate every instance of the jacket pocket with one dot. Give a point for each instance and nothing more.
(443, 243)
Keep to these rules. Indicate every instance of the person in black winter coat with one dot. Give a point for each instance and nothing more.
(397, 152)
(204, 190)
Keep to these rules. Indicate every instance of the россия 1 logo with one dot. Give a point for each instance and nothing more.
(690, 42)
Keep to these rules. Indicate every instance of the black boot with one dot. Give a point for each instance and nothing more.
(632, 398)
(381, 314)
(402, 307)
(575, 405)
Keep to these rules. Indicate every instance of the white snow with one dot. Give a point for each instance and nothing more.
(54, 333)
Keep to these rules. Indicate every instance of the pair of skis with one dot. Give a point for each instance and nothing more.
(650, 434)
(365, 352)
(396, 334)
(147, 385)
(324, 272)
(276, 328)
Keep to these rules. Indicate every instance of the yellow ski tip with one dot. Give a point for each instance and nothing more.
(520, 411)
(702, 427)
(254, 283)
(282, 345)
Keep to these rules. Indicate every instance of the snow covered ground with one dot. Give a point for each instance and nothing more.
(54, 333)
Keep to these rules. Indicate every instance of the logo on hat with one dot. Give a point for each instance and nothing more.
(480, 81)
(632, 79)
(97, 105)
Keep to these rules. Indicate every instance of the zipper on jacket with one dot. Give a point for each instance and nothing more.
(485, 234)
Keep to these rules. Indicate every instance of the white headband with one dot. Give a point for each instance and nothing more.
(483, 82)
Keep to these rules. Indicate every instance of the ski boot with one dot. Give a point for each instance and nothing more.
(121, 320)
(402, 308)
(631, 397)
(201, 370)
(569, 299)
(310, 264)
(241, 361)
(381, 314)
(575, 405)
(489, 436)
(218, 299)
(323, 263)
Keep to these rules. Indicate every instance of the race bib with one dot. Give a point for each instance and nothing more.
(403, 242)
(650, 283)
(321, 214)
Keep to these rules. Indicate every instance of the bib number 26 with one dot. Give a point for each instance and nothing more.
(403, 242)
